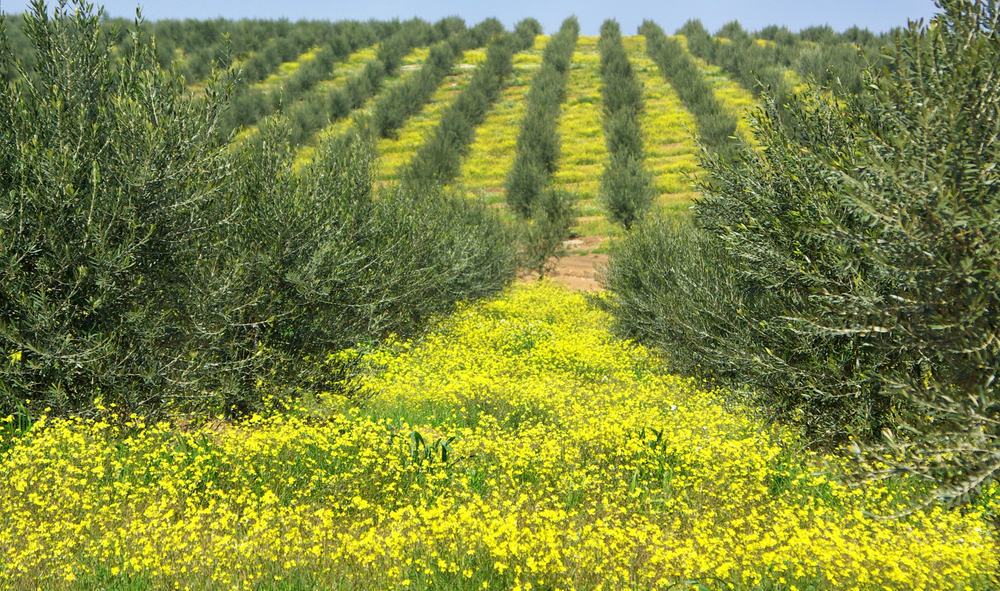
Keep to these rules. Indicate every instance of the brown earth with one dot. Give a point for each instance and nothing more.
(577, 271)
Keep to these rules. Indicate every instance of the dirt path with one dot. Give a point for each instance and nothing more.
(578, 271)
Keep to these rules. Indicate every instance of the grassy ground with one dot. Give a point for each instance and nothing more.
(517, 446)
(671, 153)
(484, 170)
(582, 151)
(274, 81)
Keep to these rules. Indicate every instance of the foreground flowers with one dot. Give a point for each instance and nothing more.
(519, 446)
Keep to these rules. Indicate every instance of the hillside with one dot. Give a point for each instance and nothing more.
(668, 127)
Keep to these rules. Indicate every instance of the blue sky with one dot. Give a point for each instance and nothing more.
(877, 15)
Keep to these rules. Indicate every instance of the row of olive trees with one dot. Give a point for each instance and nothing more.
(716, 126)
(317, 109)
(364, 85)
(757, 67)
(537, 147)
(438, 160)
(845, 277)
(836, 60)
(307, 109)
(401, 101)
(627, 188)
(147, 264)
(545, 215)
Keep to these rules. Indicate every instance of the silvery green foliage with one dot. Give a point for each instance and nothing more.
(147, 262)
(860, 259)
(627, 188)
(110, 186)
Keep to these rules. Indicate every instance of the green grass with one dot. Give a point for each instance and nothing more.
(491, 154)
(397, 152)
(582, 151)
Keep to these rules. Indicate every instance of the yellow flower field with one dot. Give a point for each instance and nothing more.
(491, 154)
(582, 151)
(517, 446)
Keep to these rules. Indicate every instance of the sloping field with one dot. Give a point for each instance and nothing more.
(285, 70)
(582, 154)
(491, 154)
(397, 151)
(518, 446)
(352, 65)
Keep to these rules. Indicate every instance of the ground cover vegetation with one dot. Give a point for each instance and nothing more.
(315, 110)
(581, 141)
(268, 87)
(399, 117)
(492, 153)
(627, 187)
(392, 109)
(150, 267)
(399, 146)
(843, 279)
(716, 126)
(518, 446)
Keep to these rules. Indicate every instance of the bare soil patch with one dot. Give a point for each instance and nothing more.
(577, 271)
